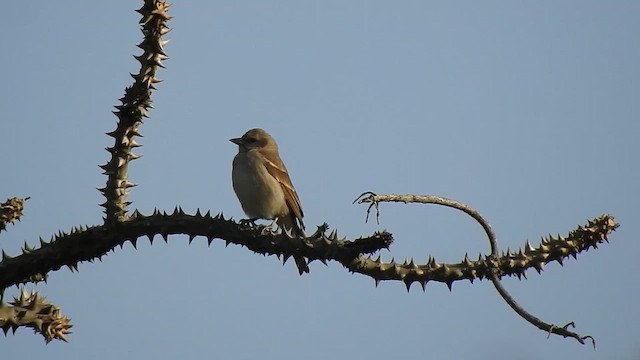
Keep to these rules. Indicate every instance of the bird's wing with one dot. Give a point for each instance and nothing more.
(277, 169)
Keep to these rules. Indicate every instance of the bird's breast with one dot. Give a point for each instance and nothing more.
(260, 194)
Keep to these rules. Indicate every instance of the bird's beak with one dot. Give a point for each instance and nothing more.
(237, 141)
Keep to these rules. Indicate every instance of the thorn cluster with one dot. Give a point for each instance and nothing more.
(11, 211)
(31, 310)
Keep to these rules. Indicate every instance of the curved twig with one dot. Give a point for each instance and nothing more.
(374, 200)
(550, 328)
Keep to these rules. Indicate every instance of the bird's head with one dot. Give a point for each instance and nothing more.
(254, 139)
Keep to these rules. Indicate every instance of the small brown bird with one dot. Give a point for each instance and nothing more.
(262, 184)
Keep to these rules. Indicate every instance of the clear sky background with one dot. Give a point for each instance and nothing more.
(529, 112)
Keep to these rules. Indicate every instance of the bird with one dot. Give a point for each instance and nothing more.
(263, 186)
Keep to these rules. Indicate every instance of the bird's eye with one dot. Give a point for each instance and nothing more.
(251, 140)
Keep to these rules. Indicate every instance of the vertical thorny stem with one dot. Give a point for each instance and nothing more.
(133, 109)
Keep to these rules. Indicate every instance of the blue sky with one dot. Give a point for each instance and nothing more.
(526, 111)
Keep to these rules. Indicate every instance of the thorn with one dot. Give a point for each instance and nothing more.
(538, 266)
(527, 247)
(412, 264)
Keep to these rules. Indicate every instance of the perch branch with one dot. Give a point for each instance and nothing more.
(91, 243)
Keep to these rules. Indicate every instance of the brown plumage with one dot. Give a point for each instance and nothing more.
(263, 186)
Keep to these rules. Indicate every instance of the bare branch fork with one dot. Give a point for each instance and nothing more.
(122, 225)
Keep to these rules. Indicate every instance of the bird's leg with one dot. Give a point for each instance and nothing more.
(268, 229)
(274, 222)
(290, 232)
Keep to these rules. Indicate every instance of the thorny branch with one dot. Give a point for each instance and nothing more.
(374, 200)
(133, 108)
(121, 225)
(31, 310)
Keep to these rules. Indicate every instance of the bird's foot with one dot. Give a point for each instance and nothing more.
(248, 223)
(271, 229)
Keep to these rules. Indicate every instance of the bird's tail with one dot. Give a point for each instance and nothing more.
(289, 224)
(302, 265)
